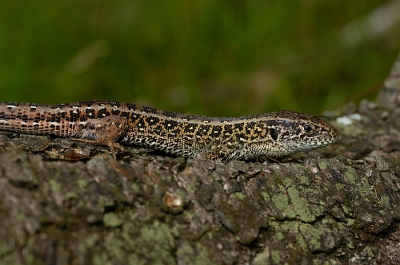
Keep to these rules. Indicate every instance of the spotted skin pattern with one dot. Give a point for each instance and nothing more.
(100, 122)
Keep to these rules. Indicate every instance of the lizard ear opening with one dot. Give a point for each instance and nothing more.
(274, 134)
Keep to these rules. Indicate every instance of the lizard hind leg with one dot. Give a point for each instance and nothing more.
(224, 153)
(104, 131)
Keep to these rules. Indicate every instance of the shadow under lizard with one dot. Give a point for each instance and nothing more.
(101, 122)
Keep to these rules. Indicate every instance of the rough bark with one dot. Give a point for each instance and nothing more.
(63, 202)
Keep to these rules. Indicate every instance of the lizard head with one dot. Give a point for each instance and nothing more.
(297, 132)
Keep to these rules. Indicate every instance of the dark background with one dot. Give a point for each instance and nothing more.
(210, 57)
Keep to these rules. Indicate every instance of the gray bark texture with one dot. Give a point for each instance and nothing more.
(66, 202)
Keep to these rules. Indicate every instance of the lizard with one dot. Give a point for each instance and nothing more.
(109, 123)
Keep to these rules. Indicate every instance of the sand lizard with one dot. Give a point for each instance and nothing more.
(105, 122)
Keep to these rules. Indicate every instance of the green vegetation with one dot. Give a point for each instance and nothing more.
(211, 57)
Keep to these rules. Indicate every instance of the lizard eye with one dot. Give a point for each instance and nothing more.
(307, 128)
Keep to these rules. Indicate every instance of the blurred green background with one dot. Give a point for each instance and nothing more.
(210, 57)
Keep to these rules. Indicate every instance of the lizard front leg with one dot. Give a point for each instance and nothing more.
(104, 131)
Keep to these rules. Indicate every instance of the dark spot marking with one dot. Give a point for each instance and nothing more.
(135, 117)
(203, 129)
(190, 127)
(228, 128)
(101, 113)
(239, 136)
(157, 129)
(25, 118)
(216, 131)
(140, 123)
(89, 112)
(238, 126)
(176, 131)
(170, 125)
(115, 112)
(152, 120)
(124, 114)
